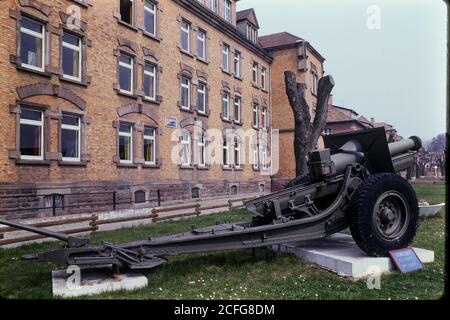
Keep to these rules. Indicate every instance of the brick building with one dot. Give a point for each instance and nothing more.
(102, 95)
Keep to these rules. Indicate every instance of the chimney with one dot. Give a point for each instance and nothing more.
(372, 120)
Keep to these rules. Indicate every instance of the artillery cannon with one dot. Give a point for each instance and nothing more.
(352, 183)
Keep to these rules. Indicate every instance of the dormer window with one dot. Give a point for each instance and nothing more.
(227, 10)
(252, 33)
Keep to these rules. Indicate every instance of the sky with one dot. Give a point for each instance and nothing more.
(387, 57)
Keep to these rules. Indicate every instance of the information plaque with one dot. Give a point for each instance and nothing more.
(406, 260)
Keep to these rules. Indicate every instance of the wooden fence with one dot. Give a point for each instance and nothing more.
(94, 222)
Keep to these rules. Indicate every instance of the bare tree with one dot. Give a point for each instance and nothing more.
(306, 133)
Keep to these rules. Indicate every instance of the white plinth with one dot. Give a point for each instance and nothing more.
(340, 254)
(94, 282)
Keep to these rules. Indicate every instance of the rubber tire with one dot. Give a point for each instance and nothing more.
(298, 180)
(361, 211)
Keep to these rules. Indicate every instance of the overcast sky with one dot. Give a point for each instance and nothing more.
(394, 71)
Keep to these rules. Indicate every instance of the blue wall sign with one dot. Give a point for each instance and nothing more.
(406, 260)
(171, 122)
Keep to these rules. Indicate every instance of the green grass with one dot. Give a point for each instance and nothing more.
(239, 274)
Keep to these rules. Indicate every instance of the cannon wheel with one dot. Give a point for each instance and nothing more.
(384, 214)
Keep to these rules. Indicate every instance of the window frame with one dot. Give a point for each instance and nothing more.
(132, 75)
(78, 129)
(238, 151)
(152, 138)
(201, 150)
(255, 67)
(263, 78)
(188, 87)
(214, 6)
(188, 32)
(237, 59)
(227, 106)
(126, 134)
(188, 142)
(41, 125)
(227, 8)
(202, 57)
(264, 118)
(204, 100)
(41, 36)
(226, 152)
(155, 17)
(255, 115)
(80, 57)
(225, 52)
(239, 118)
(133, 17)
(155, 79)
(255, 156)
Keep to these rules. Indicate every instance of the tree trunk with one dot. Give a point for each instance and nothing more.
(306, 133)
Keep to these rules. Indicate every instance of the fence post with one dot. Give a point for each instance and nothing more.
(54, 204)
(114, 200)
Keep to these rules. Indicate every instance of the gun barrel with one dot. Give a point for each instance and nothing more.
(412, 144)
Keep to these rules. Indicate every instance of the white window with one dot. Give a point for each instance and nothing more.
(149, 145)
(263, 78)
(252, 34)
(237, 64)
(255, 156)
(237, 154)
(150, 81)
(214, 4)
(71, 56)
(237, 108)
(185, 154)
(31, 134)
(126, 11)
(32, 44)
(264, 118)
(327, 131)
(185, 93)
(185, 36)
(264, 157)
(150, 17)
(201, 150)
(255, 119)
(314, 82)
(201, 97)
(126, 73)
(226, 106)
(125, 143)
(225, 57)
(201, 45)
(255, 72)
(227, 10)
(226, 153)
(70, 138)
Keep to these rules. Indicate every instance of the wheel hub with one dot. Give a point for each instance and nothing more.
(391, 215)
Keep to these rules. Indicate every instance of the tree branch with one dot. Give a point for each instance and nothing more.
(326, 84)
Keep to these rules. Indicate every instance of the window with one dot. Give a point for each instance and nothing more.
(237, 108)
(201, 45)
(71, 57)
(150, 81)
(233, 190)
(32, 44)
(150, 17)
(195, 193)
(149, 145)
(255, 72)
(226, 105)
(264, 157)
(264, 118)
(226, 153)
(139, 196)
(201, 150)
(314, 82)
(56, 199)
(225, 57)
(126, 65)
(237, 154)
(255, 156)
(70, 138)
(31, 134)
(185, 36)
(126, 11)
(327, 131)
(263, 78)
(125, 143)
(185, 149)
(237, 64)
(201, 98)
(255, 120)
(227, 10)
(214, 5)
(252, 33)
(185, 93)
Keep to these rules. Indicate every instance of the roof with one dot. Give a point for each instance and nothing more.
(278, 39)
(247, 14)
(364, 119)
(333, 115)
(346, 109)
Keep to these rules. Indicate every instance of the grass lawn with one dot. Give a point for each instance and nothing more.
(239, 274)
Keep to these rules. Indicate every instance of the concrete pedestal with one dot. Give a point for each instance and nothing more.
(340, 254)
(94, 281)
